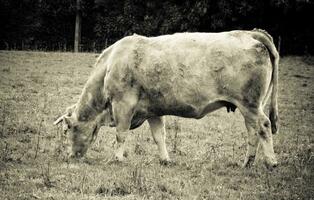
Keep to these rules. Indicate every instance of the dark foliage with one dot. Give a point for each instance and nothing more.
(49, 25)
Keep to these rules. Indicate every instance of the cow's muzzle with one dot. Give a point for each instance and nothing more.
(271, 164)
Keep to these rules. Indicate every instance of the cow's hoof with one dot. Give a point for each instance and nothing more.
(119, 158)
(86, 160)
(167, 163)
(248, 163)
(271, 166)
(73, 159)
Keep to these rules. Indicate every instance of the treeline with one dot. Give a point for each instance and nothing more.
(49, 24)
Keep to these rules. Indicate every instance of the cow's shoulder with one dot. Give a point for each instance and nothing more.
(130, 41)
(128, 52)
(127, 48)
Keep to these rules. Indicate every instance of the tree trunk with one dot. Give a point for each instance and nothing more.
(279, 44)
(106, 43)
(77, 36)
(64, 46)
(94, 47)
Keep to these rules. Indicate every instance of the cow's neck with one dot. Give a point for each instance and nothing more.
(91, 102)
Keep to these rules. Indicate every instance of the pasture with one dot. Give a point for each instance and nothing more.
(36, 87)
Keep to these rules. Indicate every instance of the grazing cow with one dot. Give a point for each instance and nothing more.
(185, 74)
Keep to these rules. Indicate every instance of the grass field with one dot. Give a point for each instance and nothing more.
(36, 87)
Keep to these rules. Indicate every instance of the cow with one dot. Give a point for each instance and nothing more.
(189, 75)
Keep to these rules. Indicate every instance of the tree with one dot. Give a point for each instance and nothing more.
(78, 24)
(49, 25)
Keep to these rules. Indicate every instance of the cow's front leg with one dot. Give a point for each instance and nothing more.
(120, 153)
(157, 128)
(123, 111)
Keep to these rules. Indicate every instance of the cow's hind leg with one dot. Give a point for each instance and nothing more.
(266, 140)
(259, 130)
(123, 111)
(157, 128)
(252, 144)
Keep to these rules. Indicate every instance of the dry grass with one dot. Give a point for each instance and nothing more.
(36, 87)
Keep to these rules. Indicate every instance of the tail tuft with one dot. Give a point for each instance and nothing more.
(273, 116)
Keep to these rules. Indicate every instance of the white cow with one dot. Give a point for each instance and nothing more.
(185, 74)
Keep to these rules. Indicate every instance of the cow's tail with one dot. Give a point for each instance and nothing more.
(267, 40)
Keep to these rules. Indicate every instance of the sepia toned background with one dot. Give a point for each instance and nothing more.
(40, 76)
(50, 25)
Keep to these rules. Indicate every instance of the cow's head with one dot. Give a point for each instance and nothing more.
(81, 132)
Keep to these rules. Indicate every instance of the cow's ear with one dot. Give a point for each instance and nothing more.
(60, 119)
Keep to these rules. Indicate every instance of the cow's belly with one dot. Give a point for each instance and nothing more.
(189, 111)
(151, 105)
(146, 111)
